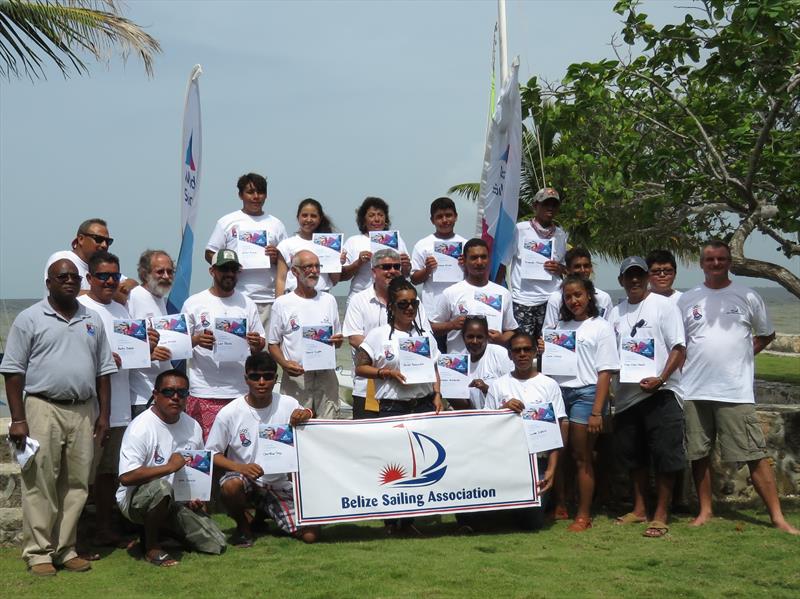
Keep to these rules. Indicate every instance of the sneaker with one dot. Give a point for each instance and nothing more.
(42, 570)
(77, 564)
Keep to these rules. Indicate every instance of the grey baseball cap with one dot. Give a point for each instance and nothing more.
(546, 193)
(632, 261)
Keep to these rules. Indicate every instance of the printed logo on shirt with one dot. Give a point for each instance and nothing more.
(90, 329)
(388, 351)
(157, 457)
(204, 321)
(733, 310)
(244, 438)
(463, 310)
(294, 323)
(234, 232)
(696, 314)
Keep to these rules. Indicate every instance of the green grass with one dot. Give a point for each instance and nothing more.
(785, 369)
(735, 556)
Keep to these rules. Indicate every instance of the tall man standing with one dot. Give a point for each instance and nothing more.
(726, 326)
(57, 356)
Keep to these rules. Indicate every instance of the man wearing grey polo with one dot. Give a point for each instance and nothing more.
(57, 356)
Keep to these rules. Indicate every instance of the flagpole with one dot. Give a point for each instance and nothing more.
(501, 21)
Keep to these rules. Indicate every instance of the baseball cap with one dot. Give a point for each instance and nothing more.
(632, 261)
(546, 193)
(223, 257)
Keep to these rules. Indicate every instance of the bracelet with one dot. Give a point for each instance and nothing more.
(596, 415)
(18, 421)
(660, 378)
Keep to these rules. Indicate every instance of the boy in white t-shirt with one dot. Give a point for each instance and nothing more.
(663, 269)
(235, 438)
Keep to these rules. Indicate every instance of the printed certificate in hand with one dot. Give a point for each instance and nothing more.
(559, 357)
(541, 427)
(637, 358)
(230, 339)
(534, 254)
(129, 341)
(416, 363)
(447, 253)
(328, 248)
(380, 240)
(193, 481)
(491, 306)
(174, 335)
(453, 374)
(318, 352)
(275, 451)
(251, 248)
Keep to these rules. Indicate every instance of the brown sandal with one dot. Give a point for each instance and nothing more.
(580, 524)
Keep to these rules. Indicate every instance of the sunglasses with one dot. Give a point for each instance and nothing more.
(170, 392)
(636, 327)
(406, 304)
(99, 239)
(390, 266)
(68, 276)
(309, 267)
(105, 276)
(662, 272)
(257, 376)
(228, 268)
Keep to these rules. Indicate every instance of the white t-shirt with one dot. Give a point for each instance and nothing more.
(720, 324)
(235, 430)
(256, 283)
(83, 268)
(675, 297)
(120, 380)
(363, 277)
(461, 299)
(210, 379)
(530, 292)
(540, 389)
(663, 324)
(149, 442)
(424, 248)
(143, 304)
(596, 350)
(493, 364)
(556, 300)
(290, 313)
(385, 353)
(288, 248)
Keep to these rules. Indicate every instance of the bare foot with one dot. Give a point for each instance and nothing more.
(786, 527)
(701, 519)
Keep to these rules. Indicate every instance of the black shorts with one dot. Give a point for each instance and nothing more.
(651, 431)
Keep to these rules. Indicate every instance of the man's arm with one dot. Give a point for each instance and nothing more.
(290, 366)
(355, 340)
(144, 474)
(675, 360)
(762, 341)
(103, 388)
(18, 431)
(251, 471)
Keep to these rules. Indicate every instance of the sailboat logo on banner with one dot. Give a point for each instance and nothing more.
(424, 450)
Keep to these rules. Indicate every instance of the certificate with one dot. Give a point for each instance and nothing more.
(193, 481)
(275, 451)
(534, 254)
(129, 341)
(447, 253)
(491, 306)
(416, 363)
(380, 240)
(454, 375)
(230, 341)
(174, 335)
(559, 357)
(637, 357)
(251, 247)
(541, 427)
(328, 248)
(318, 352)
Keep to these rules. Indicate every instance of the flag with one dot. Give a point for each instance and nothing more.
(191, 159)
(498, 200)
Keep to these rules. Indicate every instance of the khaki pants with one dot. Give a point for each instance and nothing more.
(55, 485)
(317, 390)
(264, 312)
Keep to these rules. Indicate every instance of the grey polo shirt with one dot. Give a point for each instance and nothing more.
(60, 359)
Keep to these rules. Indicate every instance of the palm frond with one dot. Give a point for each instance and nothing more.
(469, 191)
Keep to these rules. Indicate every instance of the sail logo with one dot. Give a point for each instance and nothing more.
(427, 466)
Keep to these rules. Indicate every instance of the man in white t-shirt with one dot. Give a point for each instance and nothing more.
(209, 313)
(663, 269)
(256, 418)
(648, 423)
(149, 300)
(579, 262)
(293, 315)
(474, 295)
(258, 284)
(149, 458)
(726, 326)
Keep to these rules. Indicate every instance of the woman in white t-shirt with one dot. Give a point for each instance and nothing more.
(311, 218)
(586, 393)
(487, 362)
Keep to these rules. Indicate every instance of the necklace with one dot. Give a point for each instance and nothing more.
(636, 322)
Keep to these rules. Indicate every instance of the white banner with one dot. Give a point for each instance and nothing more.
(422, 464)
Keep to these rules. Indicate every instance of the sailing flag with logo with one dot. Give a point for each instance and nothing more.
(191, 158)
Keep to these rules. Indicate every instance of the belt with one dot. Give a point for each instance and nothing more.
(409, 404)
(57, 400)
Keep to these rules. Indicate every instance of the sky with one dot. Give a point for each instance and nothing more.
(331, 100)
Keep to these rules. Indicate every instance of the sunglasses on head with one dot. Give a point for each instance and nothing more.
(105, 276)
(257, 376)
(170, 392)
(390, 266)
(406, 304)
(68, 276)
(99, 239)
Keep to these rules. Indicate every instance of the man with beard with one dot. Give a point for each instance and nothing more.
(214, 383)
(149, 300)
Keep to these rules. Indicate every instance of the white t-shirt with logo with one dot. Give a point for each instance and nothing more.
(596, 350)
(120, 380)
(424, 248)
(290, 313)
(256, 283)
(540, 389)
(235, 430)
(531, 292)
(493, 364)
(353, 248)
(210, 379)
(143, 304)
(662, 323)
(149, 442)
(288, 248)
(556, 300)
(720, 325)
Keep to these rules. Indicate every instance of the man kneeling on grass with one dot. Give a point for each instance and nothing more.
(234, 441)
(149, 457)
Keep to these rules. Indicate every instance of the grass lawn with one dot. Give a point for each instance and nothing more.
(735, 556)
(770, 367)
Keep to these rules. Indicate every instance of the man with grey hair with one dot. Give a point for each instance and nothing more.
(295, 316)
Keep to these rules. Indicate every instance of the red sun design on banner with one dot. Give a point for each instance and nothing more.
(392, 472)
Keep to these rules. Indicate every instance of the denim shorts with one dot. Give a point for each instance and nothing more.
(579, 402)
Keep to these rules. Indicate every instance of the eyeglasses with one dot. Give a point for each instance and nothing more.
(68, 276)
(257, 376)
(165, 271)
(105, 276)
(99, 239)
(406, 304)
(662, 272)
(637, 326)
(528, 349)
(389, 266)
(309, 267)
(228, 268)
(170, 392)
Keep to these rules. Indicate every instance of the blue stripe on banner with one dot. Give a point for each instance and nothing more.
(183, 273)
(503, 238)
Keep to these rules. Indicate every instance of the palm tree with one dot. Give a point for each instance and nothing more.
(32, 32)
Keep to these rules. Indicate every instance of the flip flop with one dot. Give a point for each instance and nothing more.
(560, 514)
(162, 560)
(655, 530)
(580, 524)
(630, 518)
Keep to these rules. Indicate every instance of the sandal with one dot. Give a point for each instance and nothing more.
(560, 513)
(655, 529)
(630, 518)
(580, 524)
(162, 560)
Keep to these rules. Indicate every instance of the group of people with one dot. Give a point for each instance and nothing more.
(124, 429)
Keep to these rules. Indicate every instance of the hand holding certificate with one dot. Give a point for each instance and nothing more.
(251, 248)
(541, 427)
(491, 306)
(454, 375)
(380, 240)
(174, 335)
(447, 253)
(637, 358)
(328, 248)
(415, 359)
(230, 339)
(559, 357)
(534, 254)
(275, 451)
(318, 352)
(129, 341)
(193, 481)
